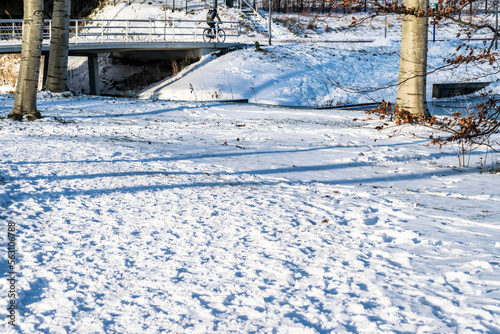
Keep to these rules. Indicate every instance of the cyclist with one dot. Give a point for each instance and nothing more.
(211, 15)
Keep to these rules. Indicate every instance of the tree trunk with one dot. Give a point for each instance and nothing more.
(413, 61)
(27, 80)
(57, 70)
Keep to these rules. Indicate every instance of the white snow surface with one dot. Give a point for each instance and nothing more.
(154, 215)
(306, 74)
(299, 68)
(142, 217)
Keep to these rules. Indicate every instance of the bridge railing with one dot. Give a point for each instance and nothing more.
(126, 30)
(11, 29)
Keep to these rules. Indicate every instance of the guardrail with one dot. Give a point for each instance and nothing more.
(127, 30)
(242, 3)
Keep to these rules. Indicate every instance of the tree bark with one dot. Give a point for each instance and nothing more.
(57, 70)
(27, 80)
(413, 61)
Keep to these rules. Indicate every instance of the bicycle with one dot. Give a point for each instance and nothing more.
(215, 33)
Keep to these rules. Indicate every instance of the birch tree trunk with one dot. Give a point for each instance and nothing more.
(57, 69)
(27, 80)
(413, 61)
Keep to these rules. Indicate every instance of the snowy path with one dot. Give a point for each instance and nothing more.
(141, 217)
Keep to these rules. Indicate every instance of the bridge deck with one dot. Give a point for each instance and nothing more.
(92, 50)
(95, 48)
(145, 39)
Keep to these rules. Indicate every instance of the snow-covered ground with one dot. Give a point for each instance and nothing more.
(148, 215)
(298, 69)
(140, 217)
(312, 74)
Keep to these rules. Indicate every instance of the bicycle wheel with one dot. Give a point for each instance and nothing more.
(208, 35)
(221, 36)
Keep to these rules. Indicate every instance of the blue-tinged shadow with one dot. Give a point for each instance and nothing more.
(215, 184)
(136, 114)
(268, 171)
(300, 318)
(240, 153)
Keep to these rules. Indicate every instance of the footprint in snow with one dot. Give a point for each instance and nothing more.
(371, 221)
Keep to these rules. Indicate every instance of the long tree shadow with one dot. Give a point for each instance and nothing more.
(218, 184)
(167, 173)
(180, 157)
(135, 114)
(239, 153)
(267, 171)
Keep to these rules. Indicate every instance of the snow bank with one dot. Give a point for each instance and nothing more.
(140, 216)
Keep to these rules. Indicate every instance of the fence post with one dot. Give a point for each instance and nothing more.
(216, 32)
(270, 21)
(126, 31)
(150, 31)
(77, 34)
(102, 31)
(173, 30)
(496, 24)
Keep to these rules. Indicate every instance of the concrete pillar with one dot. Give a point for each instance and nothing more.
(95, 88)
(45, 67)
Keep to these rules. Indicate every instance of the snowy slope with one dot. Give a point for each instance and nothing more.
(306, 74)
(298, 73)
(144, 217)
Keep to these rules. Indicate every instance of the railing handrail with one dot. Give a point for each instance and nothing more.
(119, 20)
(111, 29)
(255, 12)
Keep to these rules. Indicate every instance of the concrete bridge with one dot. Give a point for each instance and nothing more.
(132, 39)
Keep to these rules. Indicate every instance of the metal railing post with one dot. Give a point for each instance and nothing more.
(173, 30)
(150, 31)
(496, 24)
(77, 34)
(270, 25)
(102, 31)
(126, 31)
